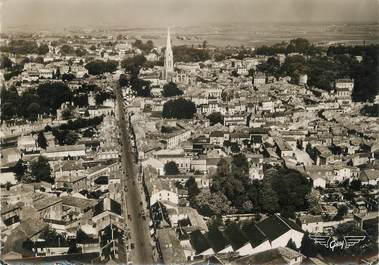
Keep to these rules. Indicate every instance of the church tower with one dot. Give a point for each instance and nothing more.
(169, 58)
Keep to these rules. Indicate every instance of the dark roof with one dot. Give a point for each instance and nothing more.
(216, 239)
(254, 234)
(235, 236)
(160, 215)
(199, 242)
(274, 226)
(11, 220)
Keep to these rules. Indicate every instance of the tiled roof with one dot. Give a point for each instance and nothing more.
(45, 202)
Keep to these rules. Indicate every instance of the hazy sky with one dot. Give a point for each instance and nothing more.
(129, 13)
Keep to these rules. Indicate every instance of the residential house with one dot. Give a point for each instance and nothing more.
(164, 191)
(255, 166)
(48, 207)
(259, 79)
(182, 160)
(369, 177)
(65, 151)
(218, 137)
(156, 164)
(72, 182)
(235, 120)
(171, 251)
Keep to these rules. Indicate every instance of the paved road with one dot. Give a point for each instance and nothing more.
(138, 227)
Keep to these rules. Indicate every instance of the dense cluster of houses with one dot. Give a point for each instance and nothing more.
(271, 121)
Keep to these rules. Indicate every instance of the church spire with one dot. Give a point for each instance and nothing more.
(168, 44)
(169, 58)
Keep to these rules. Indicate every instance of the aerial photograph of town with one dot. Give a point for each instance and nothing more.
(189, 132)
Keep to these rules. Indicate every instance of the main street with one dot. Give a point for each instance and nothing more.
(140, 240)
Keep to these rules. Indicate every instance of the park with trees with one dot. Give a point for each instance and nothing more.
(282, 190)
(46, 99)
(38, 170)
(179, 109)
(324, 66)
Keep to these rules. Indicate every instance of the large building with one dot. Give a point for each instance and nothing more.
(169, 59)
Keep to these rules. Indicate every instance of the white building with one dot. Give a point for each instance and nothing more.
(57, 152)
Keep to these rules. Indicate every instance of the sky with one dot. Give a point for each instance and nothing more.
(163, 13)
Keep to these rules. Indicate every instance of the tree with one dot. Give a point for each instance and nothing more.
(7, 111)
(171, 168)
(68, 77)
(95, 67)
(5, 62)
(140, 87)
(190, 54)
(43, 49)
(342, 211)
(355, 185)
(313, 199)
(51, 236)
(144, 47)
(58, 73)
(215, 117)
(40, 170)
(52, 95)
(32, 111)
(80, 52)
(192, 187)
(171, 90)
(110, 66)
(268, 197)
(133, 64)
(20, 169)
(20, 47)
(291, 188)
(179, 109)
(123, 80)
(149, 45)
(71, 138)
(67, 50)
(210, 204)
(67, 113)
(240, 167)
(41, 140)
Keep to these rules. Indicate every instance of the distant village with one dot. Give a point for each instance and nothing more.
(238, 165)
